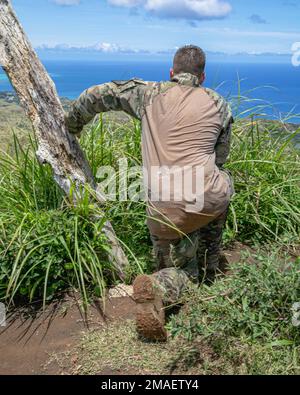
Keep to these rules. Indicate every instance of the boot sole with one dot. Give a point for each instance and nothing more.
(150, 316)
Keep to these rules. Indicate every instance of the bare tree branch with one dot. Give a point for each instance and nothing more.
(38, 96)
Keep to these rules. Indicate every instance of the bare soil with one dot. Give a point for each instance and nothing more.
(32, 336)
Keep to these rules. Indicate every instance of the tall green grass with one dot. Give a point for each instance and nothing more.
(266, 171)
(247, 317)
(47, 245)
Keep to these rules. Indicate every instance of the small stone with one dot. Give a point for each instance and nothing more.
(121, 291)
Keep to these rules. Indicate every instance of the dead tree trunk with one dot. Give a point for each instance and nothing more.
(38, 96)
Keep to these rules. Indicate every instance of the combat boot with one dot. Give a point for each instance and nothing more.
(150, 316)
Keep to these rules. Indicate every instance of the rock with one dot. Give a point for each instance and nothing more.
(121, 291)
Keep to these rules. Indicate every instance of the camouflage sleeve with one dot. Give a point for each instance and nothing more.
(222, 147)
(125, 96)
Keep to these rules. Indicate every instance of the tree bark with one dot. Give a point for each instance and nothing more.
(38, 96)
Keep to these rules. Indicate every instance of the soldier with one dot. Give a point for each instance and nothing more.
(187, 126)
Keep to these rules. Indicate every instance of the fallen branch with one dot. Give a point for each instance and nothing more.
(38, 96)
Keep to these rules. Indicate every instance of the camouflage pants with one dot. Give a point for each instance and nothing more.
(183, 262)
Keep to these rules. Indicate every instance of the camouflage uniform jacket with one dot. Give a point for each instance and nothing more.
(183, 125)
(134, 96)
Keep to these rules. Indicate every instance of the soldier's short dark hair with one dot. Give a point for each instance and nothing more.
(189, 59)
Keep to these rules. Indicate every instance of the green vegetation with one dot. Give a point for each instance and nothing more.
(48, 245)
(266, 172)
(12, 121)
(247, 316)
(240, 324)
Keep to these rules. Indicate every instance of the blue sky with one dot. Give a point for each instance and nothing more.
(120, 26)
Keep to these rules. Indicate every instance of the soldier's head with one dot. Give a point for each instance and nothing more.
(190, 59)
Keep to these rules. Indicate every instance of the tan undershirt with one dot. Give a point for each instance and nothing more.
(181, 128)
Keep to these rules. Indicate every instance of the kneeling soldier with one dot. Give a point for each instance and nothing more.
(185, 127)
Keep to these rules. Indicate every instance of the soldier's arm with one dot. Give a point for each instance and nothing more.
(114, 96)
(222, 148)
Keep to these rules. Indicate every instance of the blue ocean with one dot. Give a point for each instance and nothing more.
(268, 89)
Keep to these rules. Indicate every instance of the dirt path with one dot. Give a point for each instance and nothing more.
(30, 337)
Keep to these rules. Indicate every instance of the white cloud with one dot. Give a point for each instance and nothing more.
(107, 48)
(183, 9)
(112, 48)
(180, 9)
(67, 2)
(126, 3)
(102, 47)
